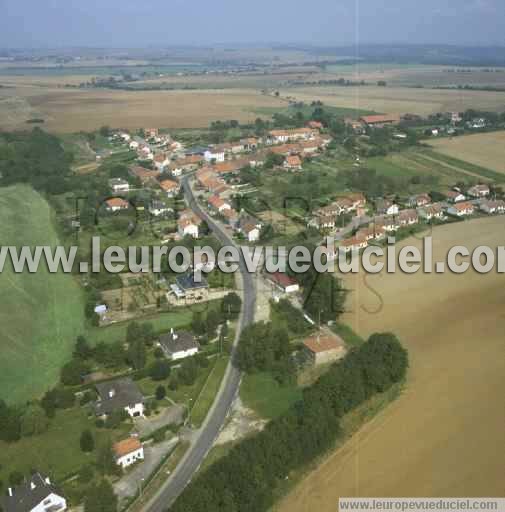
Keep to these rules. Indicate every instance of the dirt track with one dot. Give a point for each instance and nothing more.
(445, 435)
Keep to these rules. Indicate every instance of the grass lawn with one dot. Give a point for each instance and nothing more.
(161, 323)
(262, 393)
(57, 451)
(347, 334)
(204, 402)
(41, 313)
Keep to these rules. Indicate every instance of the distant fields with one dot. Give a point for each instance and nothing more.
(481, 150)
(41, 314)
(422, 101)
(73, 110)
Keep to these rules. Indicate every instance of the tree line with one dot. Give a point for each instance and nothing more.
(247, 477)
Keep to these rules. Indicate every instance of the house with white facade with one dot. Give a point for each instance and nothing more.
(35, 494)
(159, 208)
(128, 452)
(492, 207)
(286, 283)
(178, 345)
(188, 224)
(116, 204)
(431, 212)
(216, 154)
(170, 187)
(117, 395)
(119, 186)
(461, 209)
(218, 204)
(479, 191)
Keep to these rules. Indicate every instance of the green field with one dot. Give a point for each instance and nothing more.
(41, 313)
(57, 451)
(262, 393)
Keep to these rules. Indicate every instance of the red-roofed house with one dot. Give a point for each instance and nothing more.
(116, 204)
(286, 283)
(128, 451)
(218, 204)
(461, 209)
(293, 163)
(170, 187)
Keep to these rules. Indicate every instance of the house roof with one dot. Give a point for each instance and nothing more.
(216, 202)
(293, 161)
(169, 185)
(181, 341)
(117, 181)
(143, 173)
(323, 342)
(452, 194)
(117, 202)
(29, 494)
(463, 206)
(187, 282)
(126, 446)
(124, 393)
(160, 157)
(378, 119)
(281, 279)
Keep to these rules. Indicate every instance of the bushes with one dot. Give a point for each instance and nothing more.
(246, 478)
(159, 370)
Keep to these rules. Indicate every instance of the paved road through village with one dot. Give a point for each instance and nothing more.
(217, 415)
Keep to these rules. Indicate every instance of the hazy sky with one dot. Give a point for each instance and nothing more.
(134, 23)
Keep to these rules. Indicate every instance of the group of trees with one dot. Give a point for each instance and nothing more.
(37, 158)
(246, 478)
(265, 347)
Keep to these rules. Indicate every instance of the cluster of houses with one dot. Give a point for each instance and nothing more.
(215, 166)
(325, 218)
(389, 216)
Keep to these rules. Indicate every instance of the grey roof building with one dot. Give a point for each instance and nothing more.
(177, 345)
(186, 282)
(35, 493)
(118, 395)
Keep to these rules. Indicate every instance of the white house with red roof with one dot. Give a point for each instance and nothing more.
(128, 452)
(286, 283)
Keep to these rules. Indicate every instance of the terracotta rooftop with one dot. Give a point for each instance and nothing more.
(127, 446)
(323, 342)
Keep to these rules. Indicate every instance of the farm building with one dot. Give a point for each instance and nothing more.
(379, 121)
(324, 347)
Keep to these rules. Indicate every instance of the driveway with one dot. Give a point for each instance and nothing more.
(173, 415)
(130, 484)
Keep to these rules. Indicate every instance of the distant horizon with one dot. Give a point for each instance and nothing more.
(127, 23)
(301, 45)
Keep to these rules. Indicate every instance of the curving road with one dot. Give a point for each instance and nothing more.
(229, 387)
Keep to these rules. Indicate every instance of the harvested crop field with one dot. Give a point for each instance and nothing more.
(443, 436)
(70, 110)
(400, 99)
(483, 149)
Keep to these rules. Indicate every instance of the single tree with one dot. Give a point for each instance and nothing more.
(87, 441)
